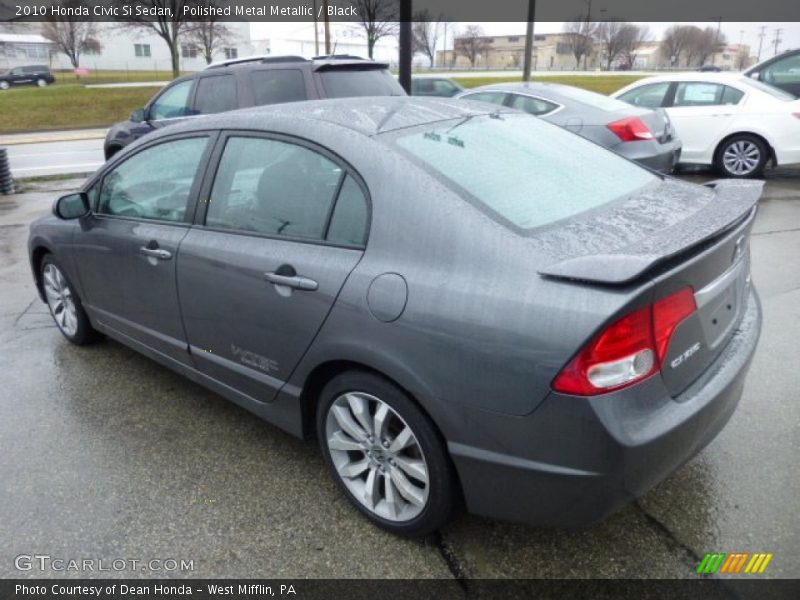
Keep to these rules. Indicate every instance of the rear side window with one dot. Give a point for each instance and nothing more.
(349, 221)
(346, 83)
(216, 94)
(491, 97)
(278, 85)
(273, 187)
(534, 106)
(525, 172)
(698, 93)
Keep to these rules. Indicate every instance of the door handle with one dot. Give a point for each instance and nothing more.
(156, 253)
(293, 281)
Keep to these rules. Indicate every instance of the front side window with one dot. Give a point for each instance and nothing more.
(698, 93)
(216, 94)
(173, 103)
(273, 187)
(154, 183)
(531, 105)
(278, 85)
(347, 83)
(525, 172)
(783, 72)
(647, 96)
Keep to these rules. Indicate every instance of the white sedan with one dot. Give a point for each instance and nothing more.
(727, 120)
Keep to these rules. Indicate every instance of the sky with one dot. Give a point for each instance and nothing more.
(748, 33)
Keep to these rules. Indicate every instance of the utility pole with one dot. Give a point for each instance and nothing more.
(444, 48)
(716, 38)
(529, 41)
(316, 31)
(404, 76)
(327, 28)
(777, 40)
(761, 41)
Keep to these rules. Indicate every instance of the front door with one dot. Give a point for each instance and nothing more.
(285, 226)
(126, 250)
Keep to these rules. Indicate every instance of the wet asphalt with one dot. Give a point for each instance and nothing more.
(107, 455)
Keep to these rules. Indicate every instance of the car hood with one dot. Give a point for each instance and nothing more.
(619, 244)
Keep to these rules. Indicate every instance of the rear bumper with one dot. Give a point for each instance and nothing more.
(659, 157)
(590, 457)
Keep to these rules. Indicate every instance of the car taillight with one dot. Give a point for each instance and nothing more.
(627, 351)
(796, 115)
(631, 129)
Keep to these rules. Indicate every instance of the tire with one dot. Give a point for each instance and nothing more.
(742, 156)
(4, 85)
(41, 82)
(65, 305)
(111, 151)
(422, 507)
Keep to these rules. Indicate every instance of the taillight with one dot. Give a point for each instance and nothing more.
(796, 115)
(631, 129)
(627, 351)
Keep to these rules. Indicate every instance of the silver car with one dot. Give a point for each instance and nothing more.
(456, 301)
(640, 134)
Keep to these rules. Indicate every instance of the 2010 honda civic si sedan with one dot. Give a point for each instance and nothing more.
(458, 301)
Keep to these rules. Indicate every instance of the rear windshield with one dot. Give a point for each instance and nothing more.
(346, 83)
(597, 100)
(524, 170)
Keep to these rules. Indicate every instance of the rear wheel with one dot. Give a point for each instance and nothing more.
(742, 156)
(65, 305)
(41, 82)
(4, 85)
(385, 454)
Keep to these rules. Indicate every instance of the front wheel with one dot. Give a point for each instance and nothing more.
(385, 454)
(4, 85)
(41, 82)
(742, 156)
(65, 306)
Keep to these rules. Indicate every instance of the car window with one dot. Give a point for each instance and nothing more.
(349, 221)
(769, 89)
(701, 93)
(482, 157)
(273, 187)
(534, 106)
(444, 87)
(215, 94)
(346, 83)
(154, 183)
(782, 72)
(647, 96)
(278, 85)
(491, 97)
(593, 99)
(172, 103)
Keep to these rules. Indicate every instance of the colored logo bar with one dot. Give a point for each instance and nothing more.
(734, 563)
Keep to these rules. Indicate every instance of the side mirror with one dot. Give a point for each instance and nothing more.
(139, 115)
(72, 206)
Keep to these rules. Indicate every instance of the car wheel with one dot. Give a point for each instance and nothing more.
(4, 85)
(65, 305)
(385, 454)
(41, 82)
(742, 156)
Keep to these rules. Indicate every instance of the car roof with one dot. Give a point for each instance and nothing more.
(366, 115)
(545, 89)
(318, 63)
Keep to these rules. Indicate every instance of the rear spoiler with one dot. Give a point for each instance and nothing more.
(734, 201)
(345, 64)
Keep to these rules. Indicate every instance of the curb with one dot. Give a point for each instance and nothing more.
(48, 137)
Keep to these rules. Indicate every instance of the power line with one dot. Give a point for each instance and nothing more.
(777, 40)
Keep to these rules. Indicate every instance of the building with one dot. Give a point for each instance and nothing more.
(17, 49)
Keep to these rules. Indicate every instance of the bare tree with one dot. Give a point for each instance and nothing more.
(676, 40)
(472, 43)
(71, 37)
(742, 59)
(580, 34)
(613, 37)
(168, 24)
(378, 19)
(639, 35)
(425, 32)
(707, 42)
(209, 37)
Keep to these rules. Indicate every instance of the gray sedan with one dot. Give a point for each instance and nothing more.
(456, 301)
(639, 134)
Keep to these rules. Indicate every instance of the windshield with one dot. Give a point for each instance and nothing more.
(522, 169)
(768, 89)
(347, 83)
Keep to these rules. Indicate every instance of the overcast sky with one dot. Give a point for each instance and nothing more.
(748, 33)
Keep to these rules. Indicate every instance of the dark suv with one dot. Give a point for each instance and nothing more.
(255, 81)
(33, 75)
(782, 71)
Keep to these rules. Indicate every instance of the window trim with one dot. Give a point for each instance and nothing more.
(120, 158)
(215, 160)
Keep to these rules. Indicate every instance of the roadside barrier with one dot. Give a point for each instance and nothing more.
(6, 181)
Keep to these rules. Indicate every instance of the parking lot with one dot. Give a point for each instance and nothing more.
(107, 455)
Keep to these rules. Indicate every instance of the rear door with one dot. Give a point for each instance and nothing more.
(284, 226)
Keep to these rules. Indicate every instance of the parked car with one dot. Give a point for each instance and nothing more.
(727, 120)
(254, 81)
(782, 71)
(430, 85)
(454, 299)
(33, 75)
(710, 69)
(640, 134)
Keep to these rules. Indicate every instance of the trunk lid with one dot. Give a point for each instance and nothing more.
(675, 236)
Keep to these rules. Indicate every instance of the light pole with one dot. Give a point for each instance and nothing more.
(716, 38)
(529, 41)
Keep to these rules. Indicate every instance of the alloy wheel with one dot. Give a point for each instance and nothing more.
(741, 158)
(377, 456)
(60, 300)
